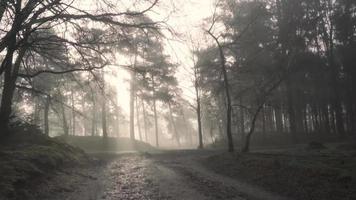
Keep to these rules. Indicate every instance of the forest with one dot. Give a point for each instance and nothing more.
(158, 99)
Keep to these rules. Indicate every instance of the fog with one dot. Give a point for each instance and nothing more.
(190, 99)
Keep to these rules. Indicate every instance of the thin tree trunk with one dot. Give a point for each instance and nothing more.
(144, 120)
(227, 93)
(176, 134)
(36, 117)
(198, 109)
(246, 147)
(138, 120)
(190, 137)
(46, 113)
(200, 130)
(132, 107)
(279, 121)
(242, 122)
(64, 121)
(156, 121)
(117, 121)
(155, 109)
(211, 129)
(84, 129)
(94, 116)
(264, 123)
(73, 114)
(103, 115)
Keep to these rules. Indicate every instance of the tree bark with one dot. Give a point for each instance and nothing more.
(155, 110)
(117, 121)
(156, 121)
(94, 116)
(200, 130)
(73, 114)
(279, 122)
(10, 78)
(64, 121)
(176, 134)
(198, 109)
(132, 107)
(144, 120)
(227, 93)
(189, 135)
(46, 115)
(246, 147)
(138, 120)
(103, 119)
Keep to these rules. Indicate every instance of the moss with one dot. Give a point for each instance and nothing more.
(300, 177)
(27, 157)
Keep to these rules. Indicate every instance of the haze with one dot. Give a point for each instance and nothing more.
(178, 100)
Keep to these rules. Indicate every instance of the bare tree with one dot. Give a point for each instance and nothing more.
(226, 86)
(26, 18)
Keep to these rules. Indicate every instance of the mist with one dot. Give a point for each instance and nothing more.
(153, 99)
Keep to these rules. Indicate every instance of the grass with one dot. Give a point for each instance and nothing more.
(29, 155)
(303, 174)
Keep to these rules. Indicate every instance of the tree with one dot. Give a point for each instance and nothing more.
(226, 86)
(28, 17)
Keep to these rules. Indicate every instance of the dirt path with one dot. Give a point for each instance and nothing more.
(170, 175)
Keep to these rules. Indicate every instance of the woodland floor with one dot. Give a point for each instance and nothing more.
(198, 175)
(140, 176)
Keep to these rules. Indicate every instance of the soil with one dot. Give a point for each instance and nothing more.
(140, 176)
(200, 175)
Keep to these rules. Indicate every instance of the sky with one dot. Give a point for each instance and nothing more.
(186, 20)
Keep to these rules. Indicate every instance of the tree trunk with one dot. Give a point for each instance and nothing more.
(198, 109)
(10, 78)
(189, 135)
(176, 134)
(200, 129)
(103, 119)
(156, 121)
(138, 120)
(64, 121)
(132, 107)
(336, 103)
(242, 122)
(227, 93)
(279, 121)
(36, 117)
(117, 121)
(211, 131)
(46, 113)
(144, 120)
(83, 119)
(246, 147)
(155, 109)
(94, 116)
(73, 114)
(291, 112)
(264, 119)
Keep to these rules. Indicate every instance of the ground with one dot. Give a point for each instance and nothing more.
(167, 175)
(35, 167)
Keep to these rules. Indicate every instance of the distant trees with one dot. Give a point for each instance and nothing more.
(289, 67)
(156, 77)
(54, 31)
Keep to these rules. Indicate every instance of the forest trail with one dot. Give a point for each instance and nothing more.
(173, 175)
